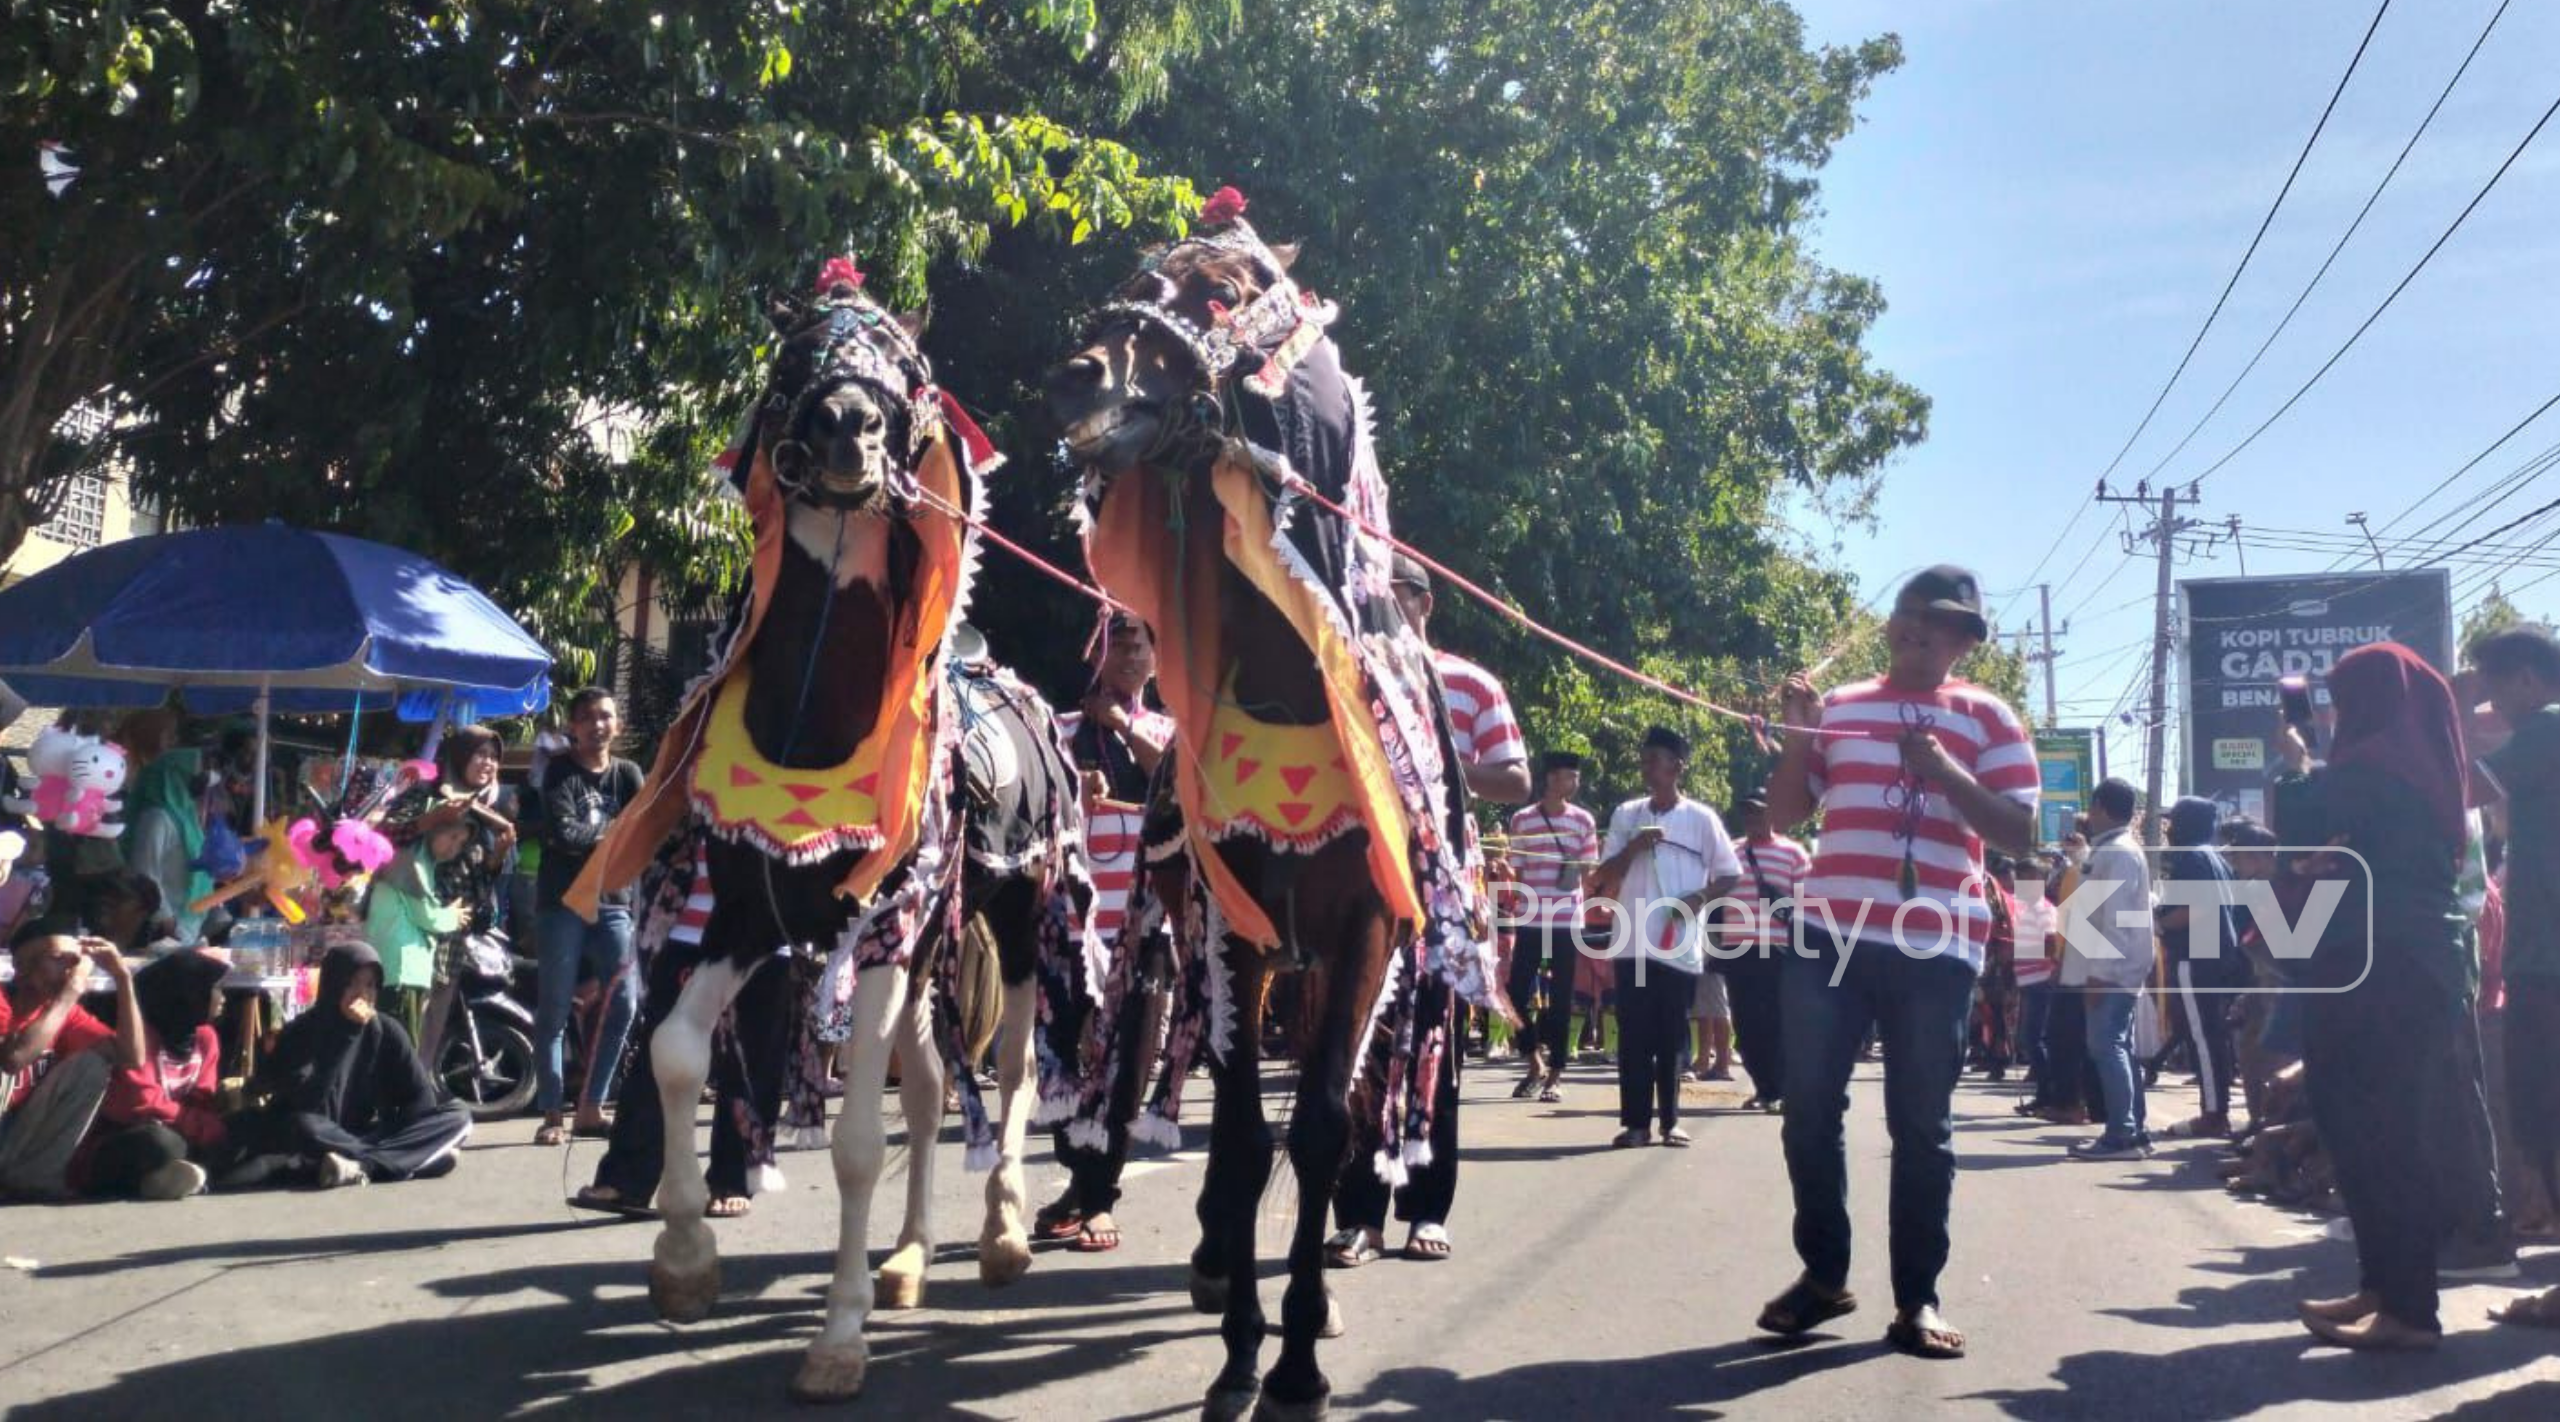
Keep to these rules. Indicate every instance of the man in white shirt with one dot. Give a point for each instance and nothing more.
(1666, 858)
(2117, 915)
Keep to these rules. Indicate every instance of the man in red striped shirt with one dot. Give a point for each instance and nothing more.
(1494, 761)
(1553, 844)
(1755, 940)
(1912, 773)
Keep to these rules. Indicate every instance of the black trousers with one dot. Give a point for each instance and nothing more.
(748, 1081)
(2466, 1143)
(2375, 1110)
(2070, 1077)
(1759, 1027)
(2206, 1014)
(1653, 1025)
(1541, 988)
(1360, 1198)
(423, 1145)
(125, 1157)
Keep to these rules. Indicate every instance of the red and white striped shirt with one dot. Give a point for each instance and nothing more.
(1479, 713)
(1875, 817)
(1551, 854)
(1112, 833)
(1772, 871)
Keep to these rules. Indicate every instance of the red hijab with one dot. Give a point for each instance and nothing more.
(2396, 717)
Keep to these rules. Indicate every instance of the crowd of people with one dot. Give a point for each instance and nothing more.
(1674, 940)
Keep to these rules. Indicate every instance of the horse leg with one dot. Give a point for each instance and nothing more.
(1004, 1246)
(833, 1369)
(684, 1271)
(1319, 1138)
(920, 1084)
(1240, 1140)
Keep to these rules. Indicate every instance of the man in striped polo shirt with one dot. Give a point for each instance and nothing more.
(1553, 844)
(1911, 774)
(1755, 941)
(1494, 760)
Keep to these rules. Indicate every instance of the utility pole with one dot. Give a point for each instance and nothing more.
(2163, 535)
(2044, 606)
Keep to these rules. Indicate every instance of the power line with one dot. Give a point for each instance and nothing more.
(2343, 238)
(2349, 344)
(2264, 223)
(2468, 465)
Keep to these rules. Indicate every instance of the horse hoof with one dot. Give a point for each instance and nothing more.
(897, 1291)
(1003, 1259)
(684, 1297)
(1228, 1404)
(1208, 1294)
(1314, 1409)
(831, 1374)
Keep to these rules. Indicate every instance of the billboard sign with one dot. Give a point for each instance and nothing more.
(2069, 762)
(2245, 635)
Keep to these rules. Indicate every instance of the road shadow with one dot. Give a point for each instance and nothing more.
(1696, 1383)
(255, 1253)
(970, 1345)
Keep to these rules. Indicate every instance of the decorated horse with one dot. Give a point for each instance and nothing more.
(1321, 818)
(855, 791)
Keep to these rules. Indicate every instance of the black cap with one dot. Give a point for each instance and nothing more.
(1946, 588)
(1407, 572)
(1559, 760)
(1665, 738)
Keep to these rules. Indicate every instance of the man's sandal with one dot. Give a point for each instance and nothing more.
(727, 1207)
(1923, 1334)
(1350, 1249)
(1096, 1238)
(1803, 1308)
(554, 1134)
(1429, 1244)
(605, 1200)
(1059, 1219)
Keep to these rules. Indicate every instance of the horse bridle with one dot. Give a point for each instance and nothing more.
(863, 346)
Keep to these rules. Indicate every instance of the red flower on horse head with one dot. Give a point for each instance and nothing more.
(838, 271)
(1224, 206)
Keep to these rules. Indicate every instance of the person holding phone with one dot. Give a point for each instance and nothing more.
(52, 1071)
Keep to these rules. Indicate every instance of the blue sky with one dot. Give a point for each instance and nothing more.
(2052, 196)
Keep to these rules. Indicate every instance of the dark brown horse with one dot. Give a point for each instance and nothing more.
(1305, 704)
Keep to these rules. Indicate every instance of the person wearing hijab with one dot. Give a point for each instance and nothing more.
(159, 1122)
(345, 1092)
(164, 832)
(2400, 973)
(2201, 938)
(411, 922)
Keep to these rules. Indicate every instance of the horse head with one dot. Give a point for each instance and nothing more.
(1146, 381)
(849, 406)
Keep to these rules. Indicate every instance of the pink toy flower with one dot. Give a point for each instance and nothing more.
(1224, 206)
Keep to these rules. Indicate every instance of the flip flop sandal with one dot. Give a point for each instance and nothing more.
(1089, 1240)
(1350, 1249)
(1803, 1308)
(615, 1205)
(1525, 1089)
(1058, 1221)
(551, 1136)
(1550, 1093)
(1429, 1245)
(736, 1207)
(2540, 1311)
(1931, 1341)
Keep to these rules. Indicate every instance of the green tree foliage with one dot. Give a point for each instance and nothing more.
(2494, 614)
(1571, 248)
(423, 269)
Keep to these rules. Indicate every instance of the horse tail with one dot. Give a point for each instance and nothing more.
(981, 982)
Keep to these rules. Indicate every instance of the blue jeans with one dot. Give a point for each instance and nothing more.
(1917, 1007)
(568, 944)
(2119, 1076)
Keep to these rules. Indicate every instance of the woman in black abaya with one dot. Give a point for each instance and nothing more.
(346, 1093)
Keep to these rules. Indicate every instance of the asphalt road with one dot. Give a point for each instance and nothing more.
(1587, 1282)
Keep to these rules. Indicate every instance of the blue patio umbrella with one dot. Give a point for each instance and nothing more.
(267, 618)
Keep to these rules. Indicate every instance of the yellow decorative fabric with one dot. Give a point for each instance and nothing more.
(798, 816)
(1285, 785)
(1163, 561)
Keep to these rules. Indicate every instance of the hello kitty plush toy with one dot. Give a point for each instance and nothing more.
(76, 781)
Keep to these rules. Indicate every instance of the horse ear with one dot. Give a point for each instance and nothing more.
(1286, 254)
(911, 322)
(783, 313)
